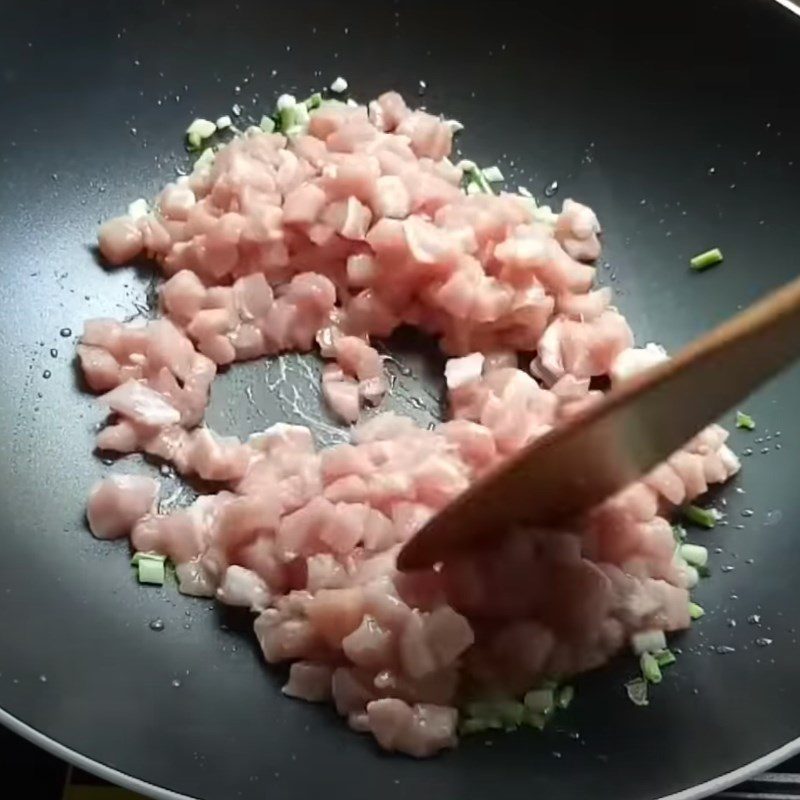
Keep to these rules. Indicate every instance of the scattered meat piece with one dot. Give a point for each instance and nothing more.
(117, 502)
(141, 404)
(309, 681)
(242, 587)
(120, 240)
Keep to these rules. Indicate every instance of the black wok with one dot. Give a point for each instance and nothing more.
(678, 123)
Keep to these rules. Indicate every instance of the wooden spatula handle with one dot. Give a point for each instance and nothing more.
(622, 437)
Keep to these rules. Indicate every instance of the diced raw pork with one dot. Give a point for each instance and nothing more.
(117, 502)
(328, 236)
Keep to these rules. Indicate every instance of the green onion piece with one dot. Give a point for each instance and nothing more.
(534, 720)
(501, 713)
(707, 259)
(745, 421)
(493, 174)
(637, 692)
(566, 694)
(704, 517)
(138, 556)
(649, 641)
(314, 101)
(206, 158)
(267, 124)
(151, 570)
(694, 554)
(194, 141)
(650, 669)
(474, 177)
(540, 701)
(474, 725)
(679, 533)
(665, 657)
(696, 611)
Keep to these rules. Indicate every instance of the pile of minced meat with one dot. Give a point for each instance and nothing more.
(350, 224)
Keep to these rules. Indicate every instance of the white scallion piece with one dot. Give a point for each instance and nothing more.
(203, 128)
(540, 701)
(454, 125)
(694, 554)
(650, 641)
(286, 101)
(525, 192)
(339, 85)
(224, 122)
(267, 124)
(493, 174)
(692, 576)
(206, 158)
(637, 692)
(138, 208)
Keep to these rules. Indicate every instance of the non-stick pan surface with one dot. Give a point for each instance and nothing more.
(677, 122)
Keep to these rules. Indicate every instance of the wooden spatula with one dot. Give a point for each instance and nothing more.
(622, 437)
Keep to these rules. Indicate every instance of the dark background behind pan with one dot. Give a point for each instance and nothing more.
(678, 123)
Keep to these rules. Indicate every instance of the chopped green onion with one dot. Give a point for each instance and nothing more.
(694, 554)
(267, 124)
(745, 421)
(474, 725)
(679, 533)
(206, 158)
(540, 701)
(566, 694)
(665, 657)
(650, 669)
(501, 712)
(138, 556)
(525, 192)
(151, 570)
(314, 101)
(704, 517)
(637, 692)
(339, 85)
(199, 129)
(474, 180)
(707, 259)
(696, 611)
(285, 101)
(650, 641)
(224, 122)
(538, 721)
(493, 174)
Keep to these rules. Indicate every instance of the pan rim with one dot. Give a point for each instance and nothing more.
(125, 781)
